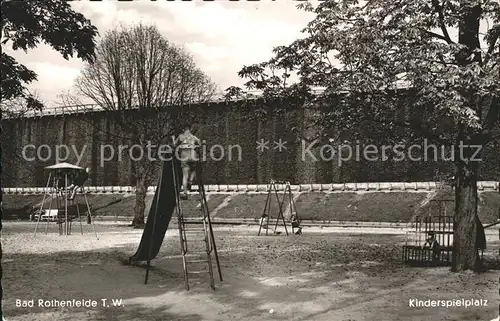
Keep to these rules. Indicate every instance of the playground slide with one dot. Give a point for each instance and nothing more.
(166, 206)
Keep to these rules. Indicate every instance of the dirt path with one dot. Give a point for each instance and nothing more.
(316, 276)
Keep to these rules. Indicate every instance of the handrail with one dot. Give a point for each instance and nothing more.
(90, 108)
(85, 108)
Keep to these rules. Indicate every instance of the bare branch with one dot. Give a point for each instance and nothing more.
(439, 10)
(137, 68)
(435, 35)
(491, 47)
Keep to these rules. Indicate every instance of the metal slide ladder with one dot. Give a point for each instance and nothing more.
(197, 238)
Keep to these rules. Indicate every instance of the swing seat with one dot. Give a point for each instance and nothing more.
(61, 218)
(295, 221)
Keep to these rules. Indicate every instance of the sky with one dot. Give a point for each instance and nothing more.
(222, 36)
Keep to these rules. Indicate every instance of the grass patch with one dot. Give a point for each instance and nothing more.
(366, 207)
(348, 206)
(489, 207)
(248, 206)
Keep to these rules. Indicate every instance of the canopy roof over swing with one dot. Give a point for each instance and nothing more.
(64, 167)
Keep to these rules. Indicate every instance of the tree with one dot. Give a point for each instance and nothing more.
(136, 68)
(362, 52)
(25, 25)
(21, 105)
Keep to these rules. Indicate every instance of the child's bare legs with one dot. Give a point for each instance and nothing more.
(192, 175)
(73, 193)
(185, 179)
(188, 159)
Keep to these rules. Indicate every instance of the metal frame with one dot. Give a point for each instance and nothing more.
(443, 227)
(208, 233)
(266, 213)
(53, 187)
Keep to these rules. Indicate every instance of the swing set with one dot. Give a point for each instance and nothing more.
(266, 214)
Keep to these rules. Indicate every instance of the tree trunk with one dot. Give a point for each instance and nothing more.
(465, 248)
(140, 201)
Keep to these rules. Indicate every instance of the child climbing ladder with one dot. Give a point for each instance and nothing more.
(188, 157)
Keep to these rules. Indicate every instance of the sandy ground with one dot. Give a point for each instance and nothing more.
(327, 274)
